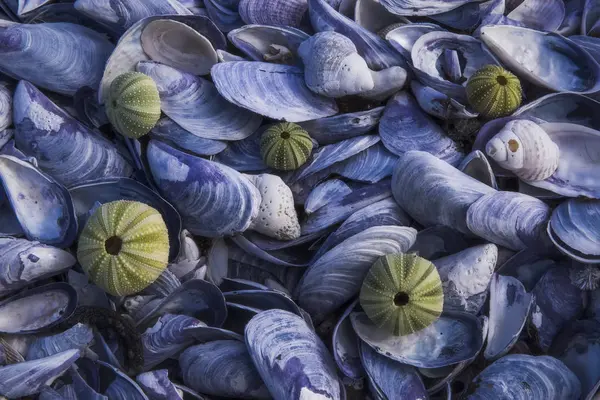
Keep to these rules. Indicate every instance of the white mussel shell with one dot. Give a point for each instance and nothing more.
(523, 147)
(544, 58)
(179, 46)
(332, 66)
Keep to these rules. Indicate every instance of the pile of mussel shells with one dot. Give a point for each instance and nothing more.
(401, 163)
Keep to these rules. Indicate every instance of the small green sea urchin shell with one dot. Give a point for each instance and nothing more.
(133, 104)
(124, 247)
(402, 294)
(494, 92)
(285, 146)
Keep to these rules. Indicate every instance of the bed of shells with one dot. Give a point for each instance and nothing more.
(300, 199)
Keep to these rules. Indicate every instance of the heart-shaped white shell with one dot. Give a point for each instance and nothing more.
(523, 147)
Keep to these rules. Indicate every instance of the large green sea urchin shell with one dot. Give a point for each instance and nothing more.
(402, 294)
(285, 146)
(494, 92)
(133, 105)
(124, 247)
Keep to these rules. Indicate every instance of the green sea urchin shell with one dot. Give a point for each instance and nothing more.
(494, 92)
(124, 247)
(133, 105)
(402, 293)
(285, 146)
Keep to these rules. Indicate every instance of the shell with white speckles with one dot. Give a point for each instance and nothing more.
(133, 105)
(277, 216)
(402, 293)
(285, 146)
(124, 247)
(494, 92)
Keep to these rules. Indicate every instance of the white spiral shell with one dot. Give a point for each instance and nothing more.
(524, 148)
(333, 68)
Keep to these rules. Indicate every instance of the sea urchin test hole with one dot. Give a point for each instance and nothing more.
(285, 135)
(502, 80)
(401, 299)
(113, 245)
(513, 145)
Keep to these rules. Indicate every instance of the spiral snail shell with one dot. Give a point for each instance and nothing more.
(494, 92)
(285, 146)
(402, 293)
(333, 67)
(133, 105)
(524, 148)
(124, 247)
